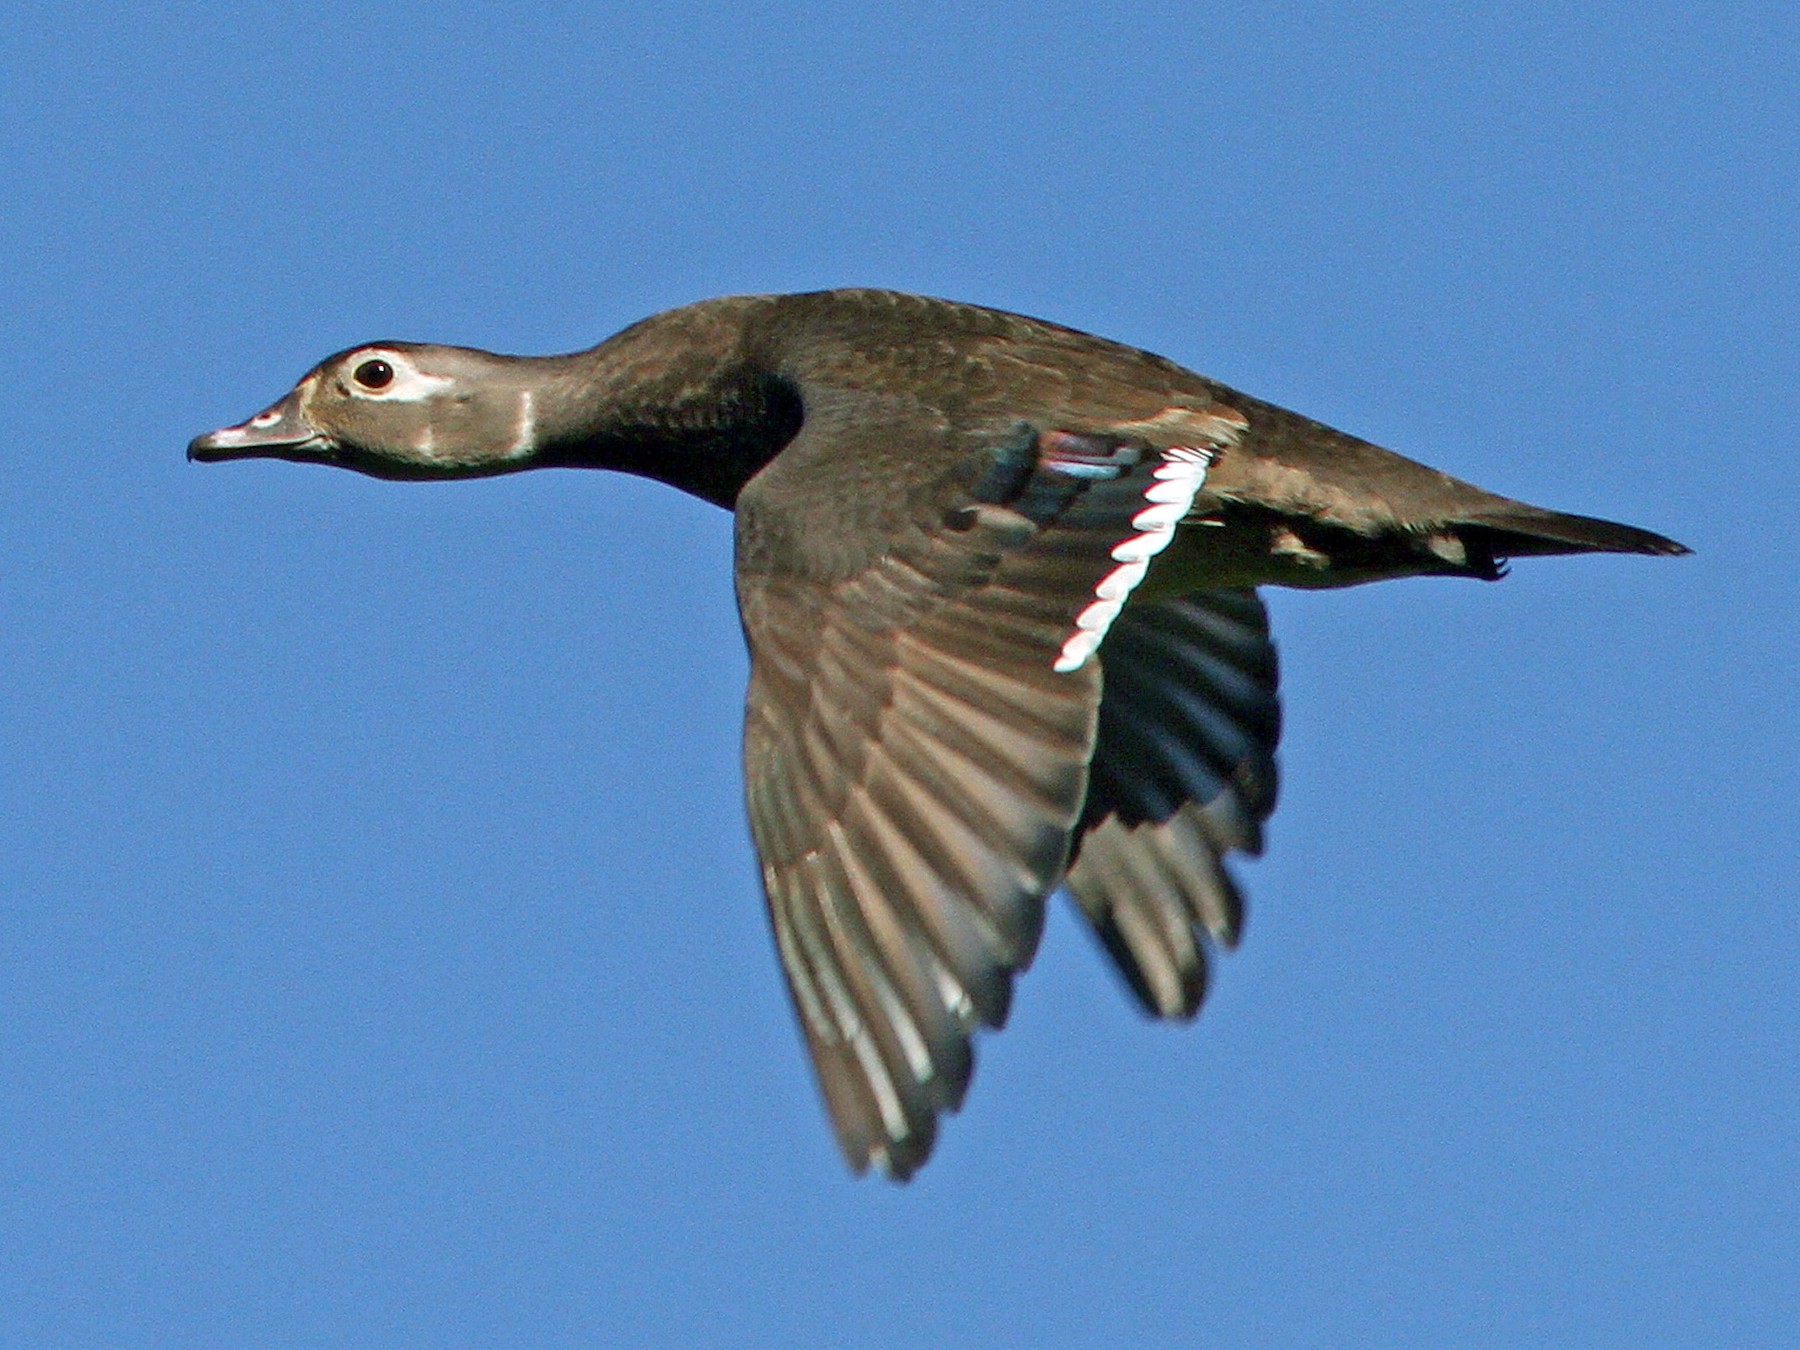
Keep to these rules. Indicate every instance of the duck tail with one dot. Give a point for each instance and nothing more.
(1520, 531)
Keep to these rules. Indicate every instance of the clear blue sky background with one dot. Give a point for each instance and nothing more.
(382, 961)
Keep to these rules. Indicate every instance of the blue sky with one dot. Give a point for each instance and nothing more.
(383, 961)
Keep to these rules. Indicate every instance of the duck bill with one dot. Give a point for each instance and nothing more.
(279, 432)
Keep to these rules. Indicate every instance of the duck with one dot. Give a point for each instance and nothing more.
(999, 582)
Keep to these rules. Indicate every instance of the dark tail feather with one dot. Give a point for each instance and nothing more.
(1520, 531)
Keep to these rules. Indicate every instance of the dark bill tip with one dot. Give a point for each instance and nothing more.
(212, 446)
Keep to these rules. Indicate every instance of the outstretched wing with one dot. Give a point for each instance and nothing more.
(921, 716)
(1183, 772)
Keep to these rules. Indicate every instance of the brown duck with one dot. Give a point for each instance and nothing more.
(996, 577)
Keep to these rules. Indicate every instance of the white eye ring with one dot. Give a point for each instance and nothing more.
(405, 382)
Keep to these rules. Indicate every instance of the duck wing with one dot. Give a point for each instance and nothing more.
(1183, 772)
(922, 710)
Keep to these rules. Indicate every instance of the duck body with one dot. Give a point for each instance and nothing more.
(996, 576)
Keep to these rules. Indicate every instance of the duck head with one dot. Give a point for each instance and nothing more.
(394, 410)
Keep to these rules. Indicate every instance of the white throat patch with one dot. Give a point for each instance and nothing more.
(525, 429)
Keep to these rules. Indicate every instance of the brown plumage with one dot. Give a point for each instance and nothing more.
(996, 578)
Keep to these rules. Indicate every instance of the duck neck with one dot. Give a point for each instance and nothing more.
(678, 398)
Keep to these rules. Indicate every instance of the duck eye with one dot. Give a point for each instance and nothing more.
(374, 374)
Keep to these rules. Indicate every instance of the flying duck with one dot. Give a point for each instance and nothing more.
(997, 578)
